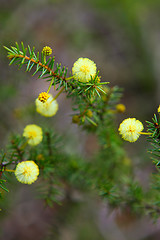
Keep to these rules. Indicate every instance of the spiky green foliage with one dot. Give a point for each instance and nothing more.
(108, 171)
(84, 95)
(154, 138)
(48, 70)
(37, 63)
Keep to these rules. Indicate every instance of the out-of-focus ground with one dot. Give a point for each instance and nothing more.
(122, 37)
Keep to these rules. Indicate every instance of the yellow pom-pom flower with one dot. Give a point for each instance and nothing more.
(130, 129)
(158, 110)
(27, 172)
(83, 69)
(47, 51)
(33, 133)
(48, 108)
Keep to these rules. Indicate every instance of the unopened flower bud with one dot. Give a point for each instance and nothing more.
(43, 96)
(40, 157)
(89, 113)
(120, 108)
(75, 119)
(47, 51)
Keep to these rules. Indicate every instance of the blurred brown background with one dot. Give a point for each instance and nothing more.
(122, 37)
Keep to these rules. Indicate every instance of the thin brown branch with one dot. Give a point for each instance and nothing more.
(39, 63)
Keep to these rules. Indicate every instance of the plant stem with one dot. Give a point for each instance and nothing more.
(58, 93)
(50, 85)
(9, 170)
(39, 63)
(69, 78)
(145, 133)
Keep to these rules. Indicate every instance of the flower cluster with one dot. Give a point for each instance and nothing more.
(84, 70)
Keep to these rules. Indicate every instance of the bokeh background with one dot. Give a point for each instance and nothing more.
(122, 37)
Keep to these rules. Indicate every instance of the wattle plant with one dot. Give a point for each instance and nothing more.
(38, 154)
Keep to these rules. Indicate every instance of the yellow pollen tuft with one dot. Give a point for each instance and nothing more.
(27, 171)
(32, 134)
(132, 129)
(84, 69)
(43, 96)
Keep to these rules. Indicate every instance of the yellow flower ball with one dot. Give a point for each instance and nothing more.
(130, 129)
(33, 133)
(83, 69)
(158, 110)
(27, 172)
(48, 108)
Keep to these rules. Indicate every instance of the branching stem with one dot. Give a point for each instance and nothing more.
(39, 63)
